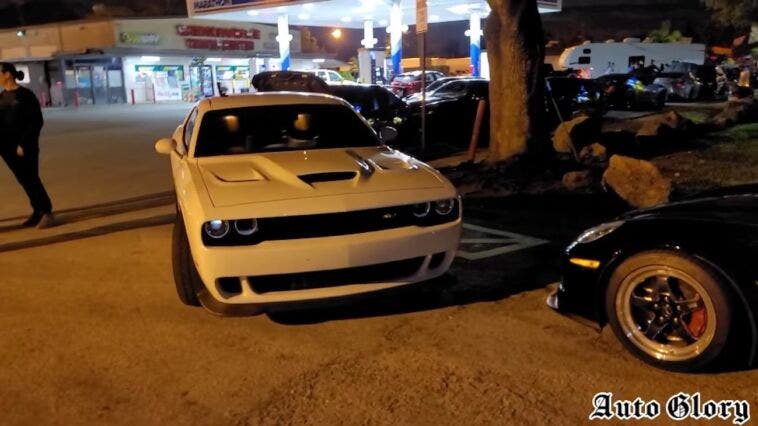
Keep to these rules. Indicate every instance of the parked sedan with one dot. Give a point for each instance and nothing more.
(284, 198)
(380, 107)
(683, 86)
(676, 283)
(289, 81)
(451, 111)
(568, 96)
(408, 83)
(624, 91)
(436, 84)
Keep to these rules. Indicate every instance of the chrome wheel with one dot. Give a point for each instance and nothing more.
(666, 313)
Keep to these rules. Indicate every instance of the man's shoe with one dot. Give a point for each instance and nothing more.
(46, 221)
(33, 220)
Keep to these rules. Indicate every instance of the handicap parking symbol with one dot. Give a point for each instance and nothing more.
(479, 242)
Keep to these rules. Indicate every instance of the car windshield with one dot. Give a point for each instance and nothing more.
(407, 78)
(436, 84)
(451, 90)
(273, 128)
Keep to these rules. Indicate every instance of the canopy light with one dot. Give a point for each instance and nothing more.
(150, 58)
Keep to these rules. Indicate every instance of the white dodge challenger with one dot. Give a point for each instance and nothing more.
(289, 197)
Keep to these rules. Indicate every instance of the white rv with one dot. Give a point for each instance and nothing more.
(596, 59)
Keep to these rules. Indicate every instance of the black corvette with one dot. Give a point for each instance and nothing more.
(678, 283)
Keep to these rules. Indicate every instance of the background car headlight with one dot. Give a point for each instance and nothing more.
(598, 232)
(246, 227)
(444, 207)
(422, 209)
(216, 229)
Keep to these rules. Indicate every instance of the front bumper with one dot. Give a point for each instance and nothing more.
(314, 255)
(578, 291)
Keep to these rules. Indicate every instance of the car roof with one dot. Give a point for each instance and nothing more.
(266, 98)
(352, 88)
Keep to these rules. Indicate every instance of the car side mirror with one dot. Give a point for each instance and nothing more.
(387, 134)
(165, 146)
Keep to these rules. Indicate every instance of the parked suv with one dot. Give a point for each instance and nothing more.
(331, 77)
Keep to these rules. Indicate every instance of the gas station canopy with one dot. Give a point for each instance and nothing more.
(395, 15)
(342, 13)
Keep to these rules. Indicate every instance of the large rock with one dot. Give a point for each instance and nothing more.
(572, 135)
(578, 180)
(638, 182)
(594, 154)
(660, 125)
(648, 134)
(736, 112)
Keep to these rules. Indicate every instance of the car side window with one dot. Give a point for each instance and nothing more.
(189, 127)
(334, 76)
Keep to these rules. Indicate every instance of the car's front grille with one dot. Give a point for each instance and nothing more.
(334, 224)
(382, 272)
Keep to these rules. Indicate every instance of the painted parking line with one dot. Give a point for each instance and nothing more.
(479, 242)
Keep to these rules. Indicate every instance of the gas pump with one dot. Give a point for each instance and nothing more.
(371, 68)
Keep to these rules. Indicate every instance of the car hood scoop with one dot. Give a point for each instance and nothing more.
(253, 178)
(312, 178)
(235, 172)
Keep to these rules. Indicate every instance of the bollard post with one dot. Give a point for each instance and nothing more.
(155, 101)
(475, 131)
(76, 98)
(133, 99)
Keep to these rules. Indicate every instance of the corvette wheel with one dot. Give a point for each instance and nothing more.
(669, 310)
(186, 278)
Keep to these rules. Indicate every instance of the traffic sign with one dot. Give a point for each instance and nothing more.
(421, 21)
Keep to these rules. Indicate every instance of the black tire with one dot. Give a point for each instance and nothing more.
(186, 278)
(660, 102)
(715, 301)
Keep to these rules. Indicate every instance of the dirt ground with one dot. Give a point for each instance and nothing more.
(725, 158)
(92, 332)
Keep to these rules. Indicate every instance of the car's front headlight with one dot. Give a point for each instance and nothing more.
(219, 232)
(598, 232)
(436, 212)
(444, 207)
(421, 210)
(216, 229)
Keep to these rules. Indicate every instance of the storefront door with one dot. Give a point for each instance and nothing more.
(201, 81)
(100, 85)
(84, 85)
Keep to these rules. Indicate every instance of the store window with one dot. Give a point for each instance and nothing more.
(164, 81)
(234, 78)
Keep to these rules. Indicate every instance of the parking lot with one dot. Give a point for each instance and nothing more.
(93, 332)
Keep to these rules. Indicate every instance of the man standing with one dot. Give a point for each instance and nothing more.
(20, 125)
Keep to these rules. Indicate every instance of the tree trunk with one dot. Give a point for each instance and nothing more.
(516, 51)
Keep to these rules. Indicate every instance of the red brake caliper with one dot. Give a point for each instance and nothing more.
(698, 321)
